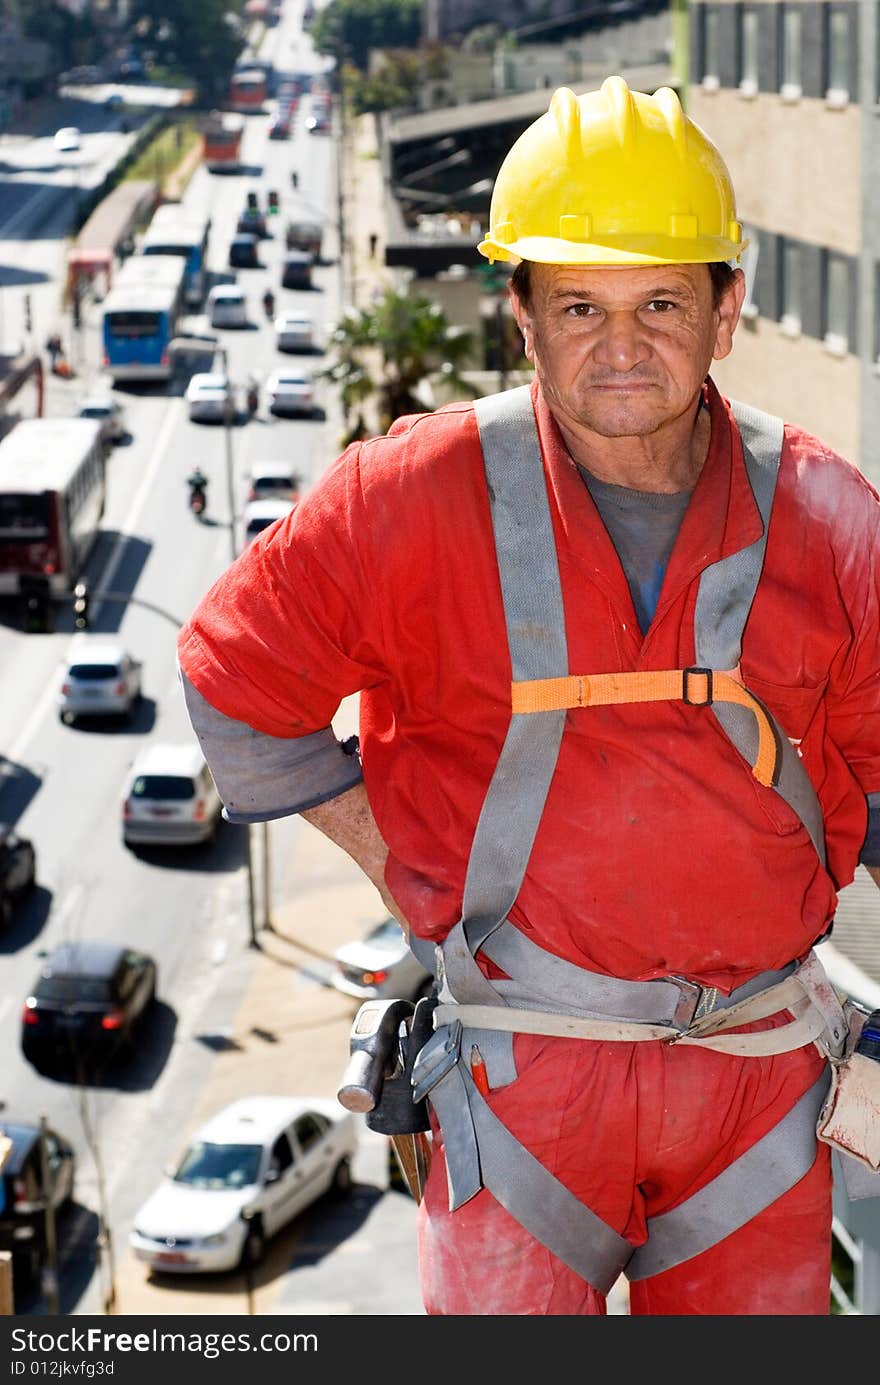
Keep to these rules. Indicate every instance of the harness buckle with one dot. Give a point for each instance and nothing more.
(689, 1002)
(686, 675)
(438, 1057)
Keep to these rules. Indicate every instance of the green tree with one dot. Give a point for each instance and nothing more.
(353, 27)
(395, 84)
(200, 38)
(384, 352)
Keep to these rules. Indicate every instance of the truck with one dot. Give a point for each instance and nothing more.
(305, 233)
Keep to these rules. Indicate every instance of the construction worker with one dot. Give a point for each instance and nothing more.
(619, 744)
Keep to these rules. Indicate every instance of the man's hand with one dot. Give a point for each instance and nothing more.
(348, 821)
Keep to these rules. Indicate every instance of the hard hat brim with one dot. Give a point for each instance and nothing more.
(628, 250)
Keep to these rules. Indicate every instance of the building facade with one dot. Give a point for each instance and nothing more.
(789, 93)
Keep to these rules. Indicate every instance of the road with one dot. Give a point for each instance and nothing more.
(62, 784)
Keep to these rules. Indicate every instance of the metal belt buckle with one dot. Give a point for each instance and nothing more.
(689, 1002)
(439, 1057)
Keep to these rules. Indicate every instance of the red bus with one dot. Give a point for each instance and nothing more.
(222, 134)
(247, 90)
(52, 495)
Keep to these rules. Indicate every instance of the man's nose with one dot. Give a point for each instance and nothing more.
(622, 343)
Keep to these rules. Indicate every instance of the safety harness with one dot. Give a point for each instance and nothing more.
(541, 992)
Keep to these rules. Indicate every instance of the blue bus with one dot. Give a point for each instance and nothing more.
(177, 230)
(140, 317)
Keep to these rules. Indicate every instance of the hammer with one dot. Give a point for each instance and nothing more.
(375, 1052)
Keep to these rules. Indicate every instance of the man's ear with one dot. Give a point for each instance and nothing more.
(523, 322)
(728, 311)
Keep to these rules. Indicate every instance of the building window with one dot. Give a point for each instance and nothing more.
(836, 307)
(790, 297)
(749, 267)
(711, 48)
(790, 47)
(748, 51)
(837, 48)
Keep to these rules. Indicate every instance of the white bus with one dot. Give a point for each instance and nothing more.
(176, 230)
(52, 496)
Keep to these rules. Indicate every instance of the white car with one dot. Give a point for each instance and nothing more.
(290, 392)
(108, 412)
(169, 797)
(244, 1175)
(294, 332)
(100, 678)
(67, 139)
(259, 514)
(380, 966)
(227, 306)
(272, 481)
(208, 397)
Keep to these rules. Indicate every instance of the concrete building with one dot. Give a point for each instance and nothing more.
(789, 93)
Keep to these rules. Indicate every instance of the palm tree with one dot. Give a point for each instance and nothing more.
(384, 352)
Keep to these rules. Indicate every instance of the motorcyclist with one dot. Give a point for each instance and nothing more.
(269, 302)
(253, 395)
(198, 487)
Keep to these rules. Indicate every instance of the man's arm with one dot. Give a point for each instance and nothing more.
(874, 872)
(348, 821)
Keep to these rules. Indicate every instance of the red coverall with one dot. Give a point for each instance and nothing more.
(658, 852)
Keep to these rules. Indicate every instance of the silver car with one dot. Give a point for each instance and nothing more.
(169, 798)
(100, 678)
(380, 966)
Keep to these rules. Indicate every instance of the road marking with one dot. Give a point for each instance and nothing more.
(16, 751)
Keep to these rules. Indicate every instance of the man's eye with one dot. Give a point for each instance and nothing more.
(580, 309)
(661, 305)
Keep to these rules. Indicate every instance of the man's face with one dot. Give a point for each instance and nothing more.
(624, 351)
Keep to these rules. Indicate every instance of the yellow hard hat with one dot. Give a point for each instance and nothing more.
(614, 177)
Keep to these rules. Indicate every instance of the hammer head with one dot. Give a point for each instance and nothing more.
(374, 1047)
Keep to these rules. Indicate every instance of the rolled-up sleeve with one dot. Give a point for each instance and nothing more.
(260, 777)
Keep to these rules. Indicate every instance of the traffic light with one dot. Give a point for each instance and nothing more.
(36, 604)
(272, 203)
(81, 600)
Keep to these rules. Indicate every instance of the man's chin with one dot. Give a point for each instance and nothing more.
(623, 418)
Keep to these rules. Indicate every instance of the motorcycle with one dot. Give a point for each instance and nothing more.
(197, 499)
(269, 304)
(252, 399)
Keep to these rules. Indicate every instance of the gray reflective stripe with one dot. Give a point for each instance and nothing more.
(724, 599)
(464, 1175)
(742, 1190)
(532, 595)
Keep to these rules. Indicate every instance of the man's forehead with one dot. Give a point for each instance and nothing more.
(619, 281)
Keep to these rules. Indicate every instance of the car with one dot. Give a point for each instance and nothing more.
(294, 331)
(290, 392)
(100, 677)
(109, 413)
(169, 797)
(252, 221)
(227, 306)
(67, 140)
(269, 1157)
(259, 514)
(317, 123)
(88, 1000)
(279, 125)
(114, 101)
(244, 251)
(18, 870)
(272, 481)
(26, 1191)
(296, 270)
(208, 397)
(380, 966)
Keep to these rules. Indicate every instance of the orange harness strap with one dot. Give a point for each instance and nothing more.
(698, 687)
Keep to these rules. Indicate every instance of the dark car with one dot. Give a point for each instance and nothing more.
(252, 221)
(88, 1000)
(296, 270)
(18, 870)
(25, 1193)
(244, 251)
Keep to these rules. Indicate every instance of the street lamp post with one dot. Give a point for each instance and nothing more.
(228, 419)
